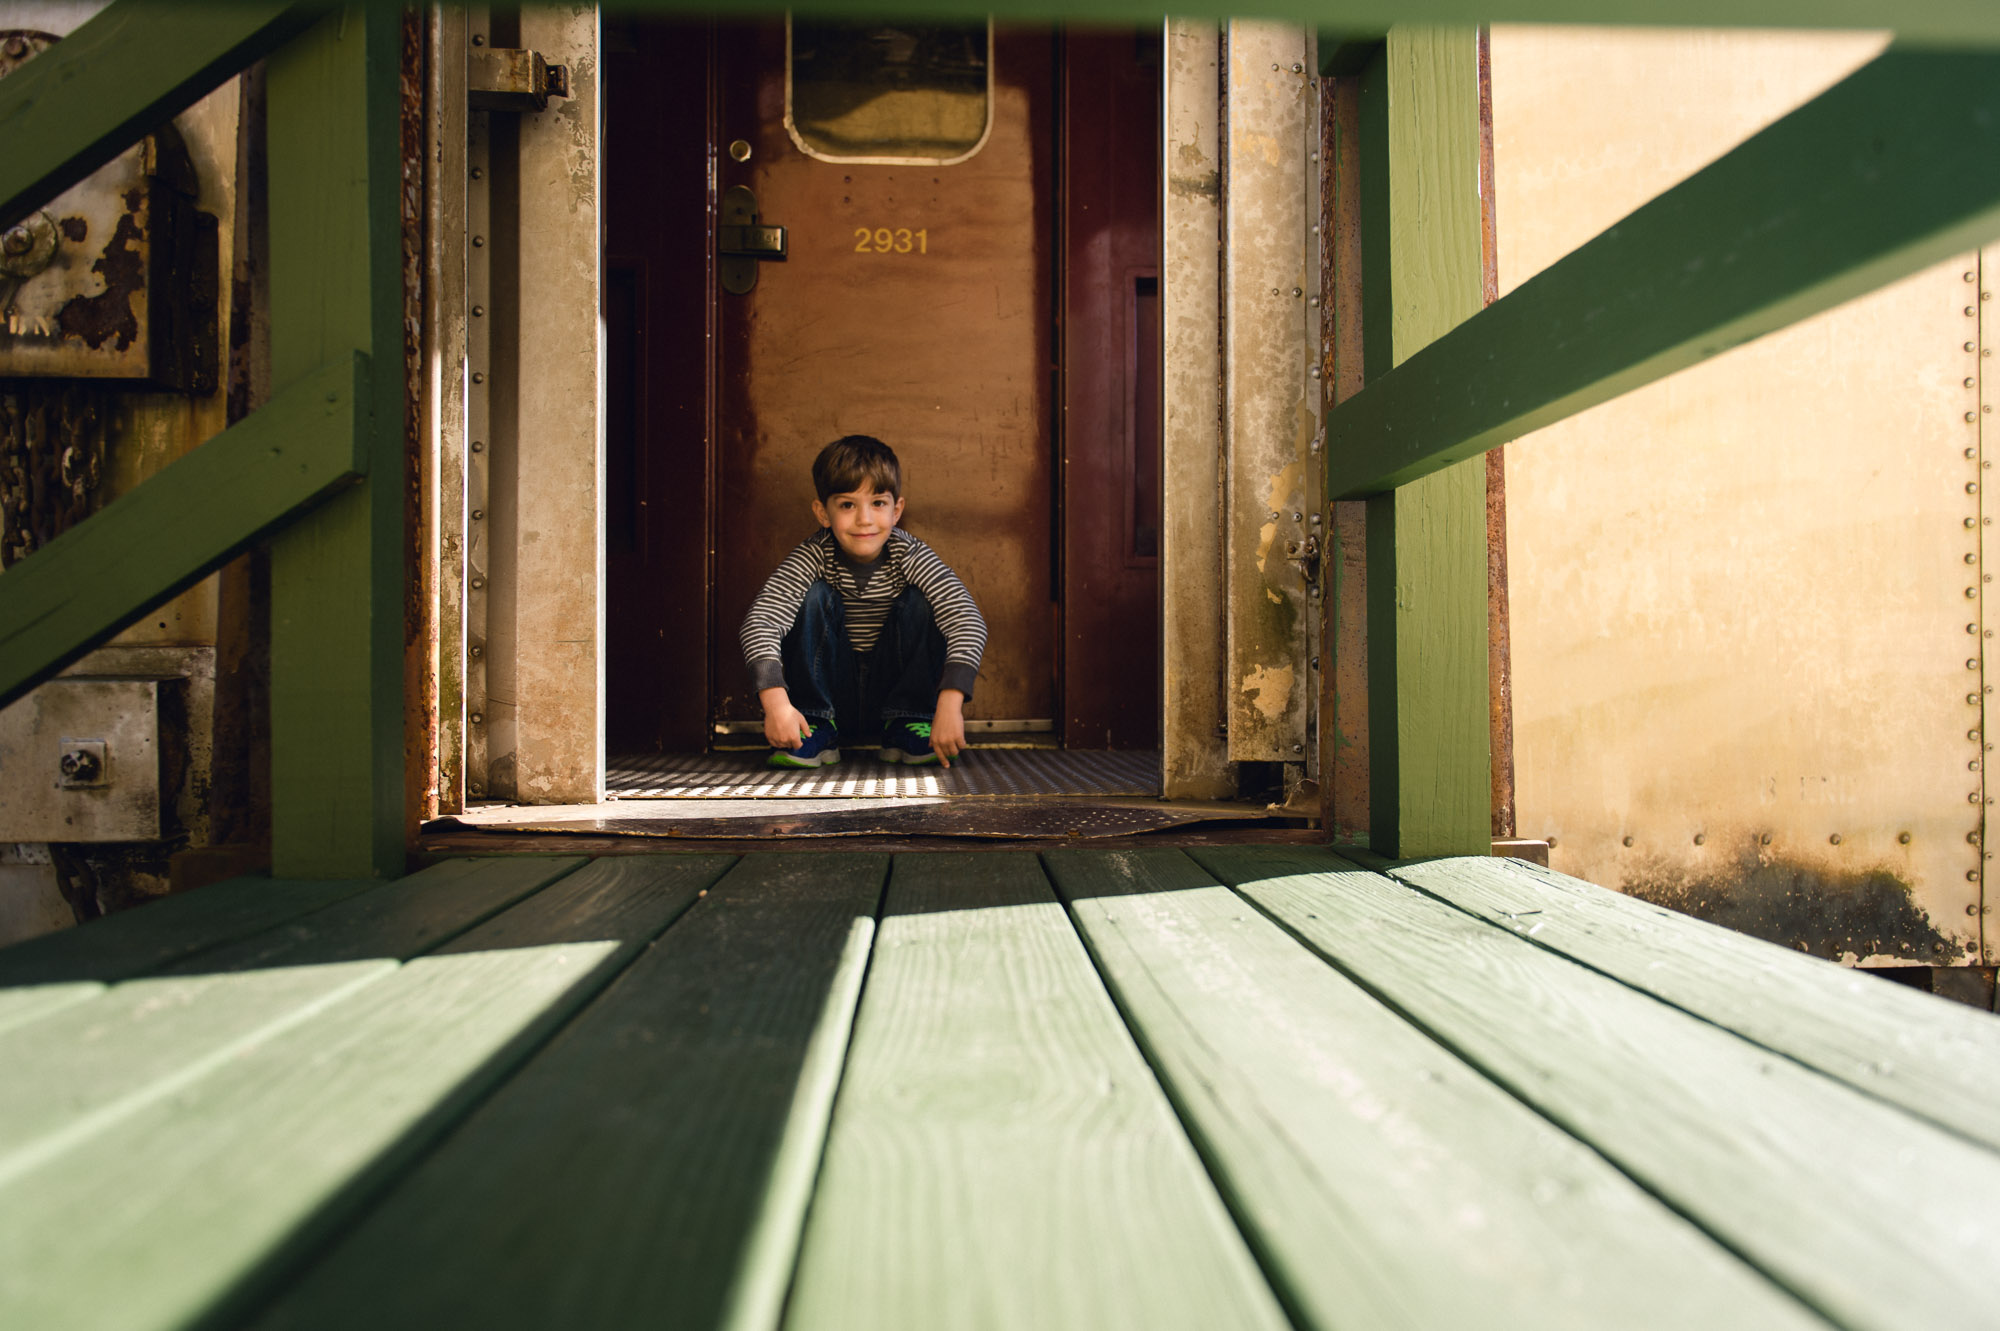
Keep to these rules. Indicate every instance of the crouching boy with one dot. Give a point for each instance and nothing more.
(862, 624)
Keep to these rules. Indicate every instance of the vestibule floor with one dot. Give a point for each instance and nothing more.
(1014, 795)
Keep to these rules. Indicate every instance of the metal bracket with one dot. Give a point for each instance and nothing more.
(513, 80)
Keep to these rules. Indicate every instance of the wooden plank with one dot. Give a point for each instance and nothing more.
(122, 74)
(1381, 1181)
(1937, 1059)
(337, 575)
(1000, 1153)
(652, 1166)
(99, 1061)
(396, 920)
(185, 522)
(202, 1196)
(1810, 1181)
(46, 974)
(1430, 772)
(1891, 170)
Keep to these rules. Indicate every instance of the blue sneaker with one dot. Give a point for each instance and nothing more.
(907, 741)
(821, 749)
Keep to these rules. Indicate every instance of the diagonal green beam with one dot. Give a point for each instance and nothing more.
(1894, 169)
(121, 75)
(179, 525)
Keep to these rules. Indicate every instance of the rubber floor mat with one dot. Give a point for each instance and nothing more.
(861, 775)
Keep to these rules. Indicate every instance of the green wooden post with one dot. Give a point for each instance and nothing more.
(337, 574)
(1430, 785)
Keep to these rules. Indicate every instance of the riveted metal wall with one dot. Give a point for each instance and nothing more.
(1748, 602)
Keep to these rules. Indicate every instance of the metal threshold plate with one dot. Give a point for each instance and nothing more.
(999, 818)
(861, 775)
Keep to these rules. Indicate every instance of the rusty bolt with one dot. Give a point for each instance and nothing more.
(1298, 517)
(1972, 838)
(1972, 907)
(1314, 302)
(1972, 522)
(478, 513)
(1972, 346)
(1972, 487)
(1972, 629)
(1971, 558)
(1972, 797)
(80, 766)
(477, 719)
(1972, 766)
(478, 378)
(1972, 663)
(479, 445)
(1971, 416)
(1970, 382)
(1971, 452)
(1297, 292)
(478, 173)
(1298, 68)
(1764, 840)
(18, 241)
(478, 39)
(478, 583)
(1903, 838)
(1552, 843)
(1833, 840)
(1298, 748)
(1971, 592)
(479, 242)
(479, 311)
(1972, 735)
(1971, 310)
(1628, 841)
(1700, 840)
(475, 652)
(1971, 876)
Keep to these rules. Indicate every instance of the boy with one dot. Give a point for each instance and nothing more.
(863, 621)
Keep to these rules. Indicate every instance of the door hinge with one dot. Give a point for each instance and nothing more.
(513, 80)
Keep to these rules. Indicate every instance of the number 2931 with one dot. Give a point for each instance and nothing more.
(884, 240)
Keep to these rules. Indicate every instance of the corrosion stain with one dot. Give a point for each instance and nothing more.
(75, 229)
(96, 320)
(1859, 913)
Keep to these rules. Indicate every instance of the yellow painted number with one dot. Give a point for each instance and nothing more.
(887, 240)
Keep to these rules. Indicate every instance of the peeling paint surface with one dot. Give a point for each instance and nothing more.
(1272, 405)
(1748, 635)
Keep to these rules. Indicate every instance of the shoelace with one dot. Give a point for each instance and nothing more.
(921, 729)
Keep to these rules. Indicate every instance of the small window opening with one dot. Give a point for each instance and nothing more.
(890, 93)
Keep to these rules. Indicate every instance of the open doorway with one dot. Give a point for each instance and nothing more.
(970, 272)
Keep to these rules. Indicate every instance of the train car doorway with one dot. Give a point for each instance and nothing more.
(948, 282)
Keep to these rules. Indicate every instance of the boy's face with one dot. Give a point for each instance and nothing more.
(860, 521)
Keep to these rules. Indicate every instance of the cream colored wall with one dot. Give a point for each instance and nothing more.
(1743, 678)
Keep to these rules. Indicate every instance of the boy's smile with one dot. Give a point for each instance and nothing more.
(860, 521)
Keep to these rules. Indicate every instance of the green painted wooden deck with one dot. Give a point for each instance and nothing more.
(1253, 1087)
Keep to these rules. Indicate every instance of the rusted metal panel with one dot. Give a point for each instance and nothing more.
(1195, 754)
(557, 658)
(1748, 637)
(88, 760)
(1500, 682)
(420, 473)
(1272, 411)
(1986, 279)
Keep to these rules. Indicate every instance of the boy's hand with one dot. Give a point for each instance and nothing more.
(948, 726)
(785, 727)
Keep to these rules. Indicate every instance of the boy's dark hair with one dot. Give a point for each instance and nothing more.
(844, 464)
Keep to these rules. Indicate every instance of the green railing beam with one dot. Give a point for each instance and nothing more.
(1430, 788)
(179, 525)
(1893, 169)
(338, 576)
(119, 76)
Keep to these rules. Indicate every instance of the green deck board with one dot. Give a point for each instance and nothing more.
(1001, 1156)
(1932, 1057)
(202, 1195)
(1383, 1182)
(652, 1165)
(159, 932)
(397, 919)
(1810, 1180)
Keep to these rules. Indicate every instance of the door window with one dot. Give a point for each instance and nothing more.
(891, 93)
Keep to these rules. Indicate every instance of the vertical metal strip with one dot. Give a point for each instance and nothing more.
(1271, 391)
(444, 329)
(475, 554)
(1983, 270)
(1194, 753)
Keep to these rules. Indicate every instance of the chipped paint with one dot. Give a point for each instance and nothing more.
(1269, 689)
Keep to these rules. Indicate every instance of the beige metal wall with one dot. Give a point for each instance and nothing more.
(1748, 625)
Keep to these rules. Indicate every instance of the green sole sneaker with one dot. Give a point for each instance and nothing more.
(786, 758)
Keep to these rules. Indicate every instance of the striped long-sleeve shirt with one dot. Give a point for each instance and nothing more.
(867, 592)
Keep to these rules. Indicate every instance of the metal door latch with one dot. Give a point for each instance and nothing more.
(513, 80)
(742, 241)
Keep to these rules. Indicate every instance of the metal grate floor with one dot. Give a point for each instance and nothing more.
(861, 775)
